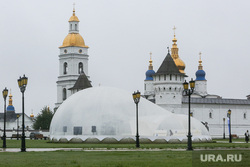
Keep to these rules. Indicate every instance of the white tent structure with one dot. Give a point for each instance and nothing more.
(100, 113)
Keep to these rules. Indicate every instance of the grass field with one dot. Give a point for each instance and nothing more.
(111, 158)
(105, 159)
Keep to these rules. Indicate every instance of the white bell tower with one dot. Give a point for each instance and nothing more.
(73, 60)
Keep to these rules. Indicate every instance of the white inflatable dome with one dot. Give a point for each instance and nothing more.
(104, 112)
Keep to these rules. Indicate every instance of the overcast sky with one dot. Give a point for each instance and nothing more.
(120, 34)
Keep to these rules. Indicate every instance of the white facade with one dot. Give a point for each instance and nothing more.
(214, 113)
(13, 124)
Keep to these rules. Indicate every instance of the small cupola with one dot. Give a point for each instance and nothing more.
(200, 74)
(150, 72)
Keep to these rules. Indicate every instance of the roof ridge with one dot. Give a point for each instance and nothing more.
(168, 66)
(82, 82)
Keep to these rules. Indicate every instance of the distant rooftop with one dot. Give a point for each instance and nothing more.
(216, 101)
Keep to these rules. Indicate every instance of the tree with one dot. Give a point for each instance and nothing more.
(43, 119)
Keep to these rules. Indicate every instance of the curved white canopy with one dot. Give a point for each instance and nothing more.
(112, 113)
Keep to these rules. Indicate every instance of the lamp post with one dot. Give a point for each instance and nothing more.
(224, 136)
(136, 97)
(5, 93)
(229, 117)
(17, 126)
(22, 83)
(188, 92)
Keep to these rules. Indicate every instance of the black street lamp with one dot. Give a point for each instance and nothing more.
(229, 117)
(17, 126)
(22, 83)
(188, 92)
(224, 136)
(136, 97)
(5, 94)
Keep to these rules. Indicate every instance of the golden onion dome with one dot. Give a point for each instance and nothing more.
(32, 115)
(180, 64)
(175, 55)
(74, 17)
(73, 39)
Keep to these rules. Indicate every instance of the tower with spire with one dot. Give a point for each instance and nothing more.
(200, 81)
(10, 107)
(73, 60)
(148, 82)
(165, 86)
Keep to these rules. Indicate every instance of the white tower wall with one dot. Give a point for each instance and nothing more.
(168, 89)
(201, 87)
(148, 87)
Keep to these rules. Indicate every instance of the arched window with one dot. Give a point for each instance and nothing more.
(245, 115)
(65, 68)
(64, 94)
(70, 26)
(170, 77)
(80, 68)
(165, 77)
(76, 27)
(176, 77)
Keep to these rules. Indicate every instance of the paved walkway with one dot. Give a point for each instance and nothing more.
(113, 149)
(228, 142)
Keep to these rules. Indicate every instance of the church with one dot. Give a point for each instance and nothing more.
(163, 87)
(14, 119)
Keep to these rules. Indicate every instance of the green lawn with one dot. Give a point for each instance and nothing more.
(105, 159)
(112, 158)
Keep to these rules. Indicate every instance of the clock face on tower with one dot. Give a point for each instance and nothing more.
(80, 50)
(65, 51)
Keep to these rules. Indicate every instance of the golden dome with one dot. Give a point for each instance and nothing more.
(180, 64)
(31, 115)
(73, 39)
(175, 55)
(74, 17)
